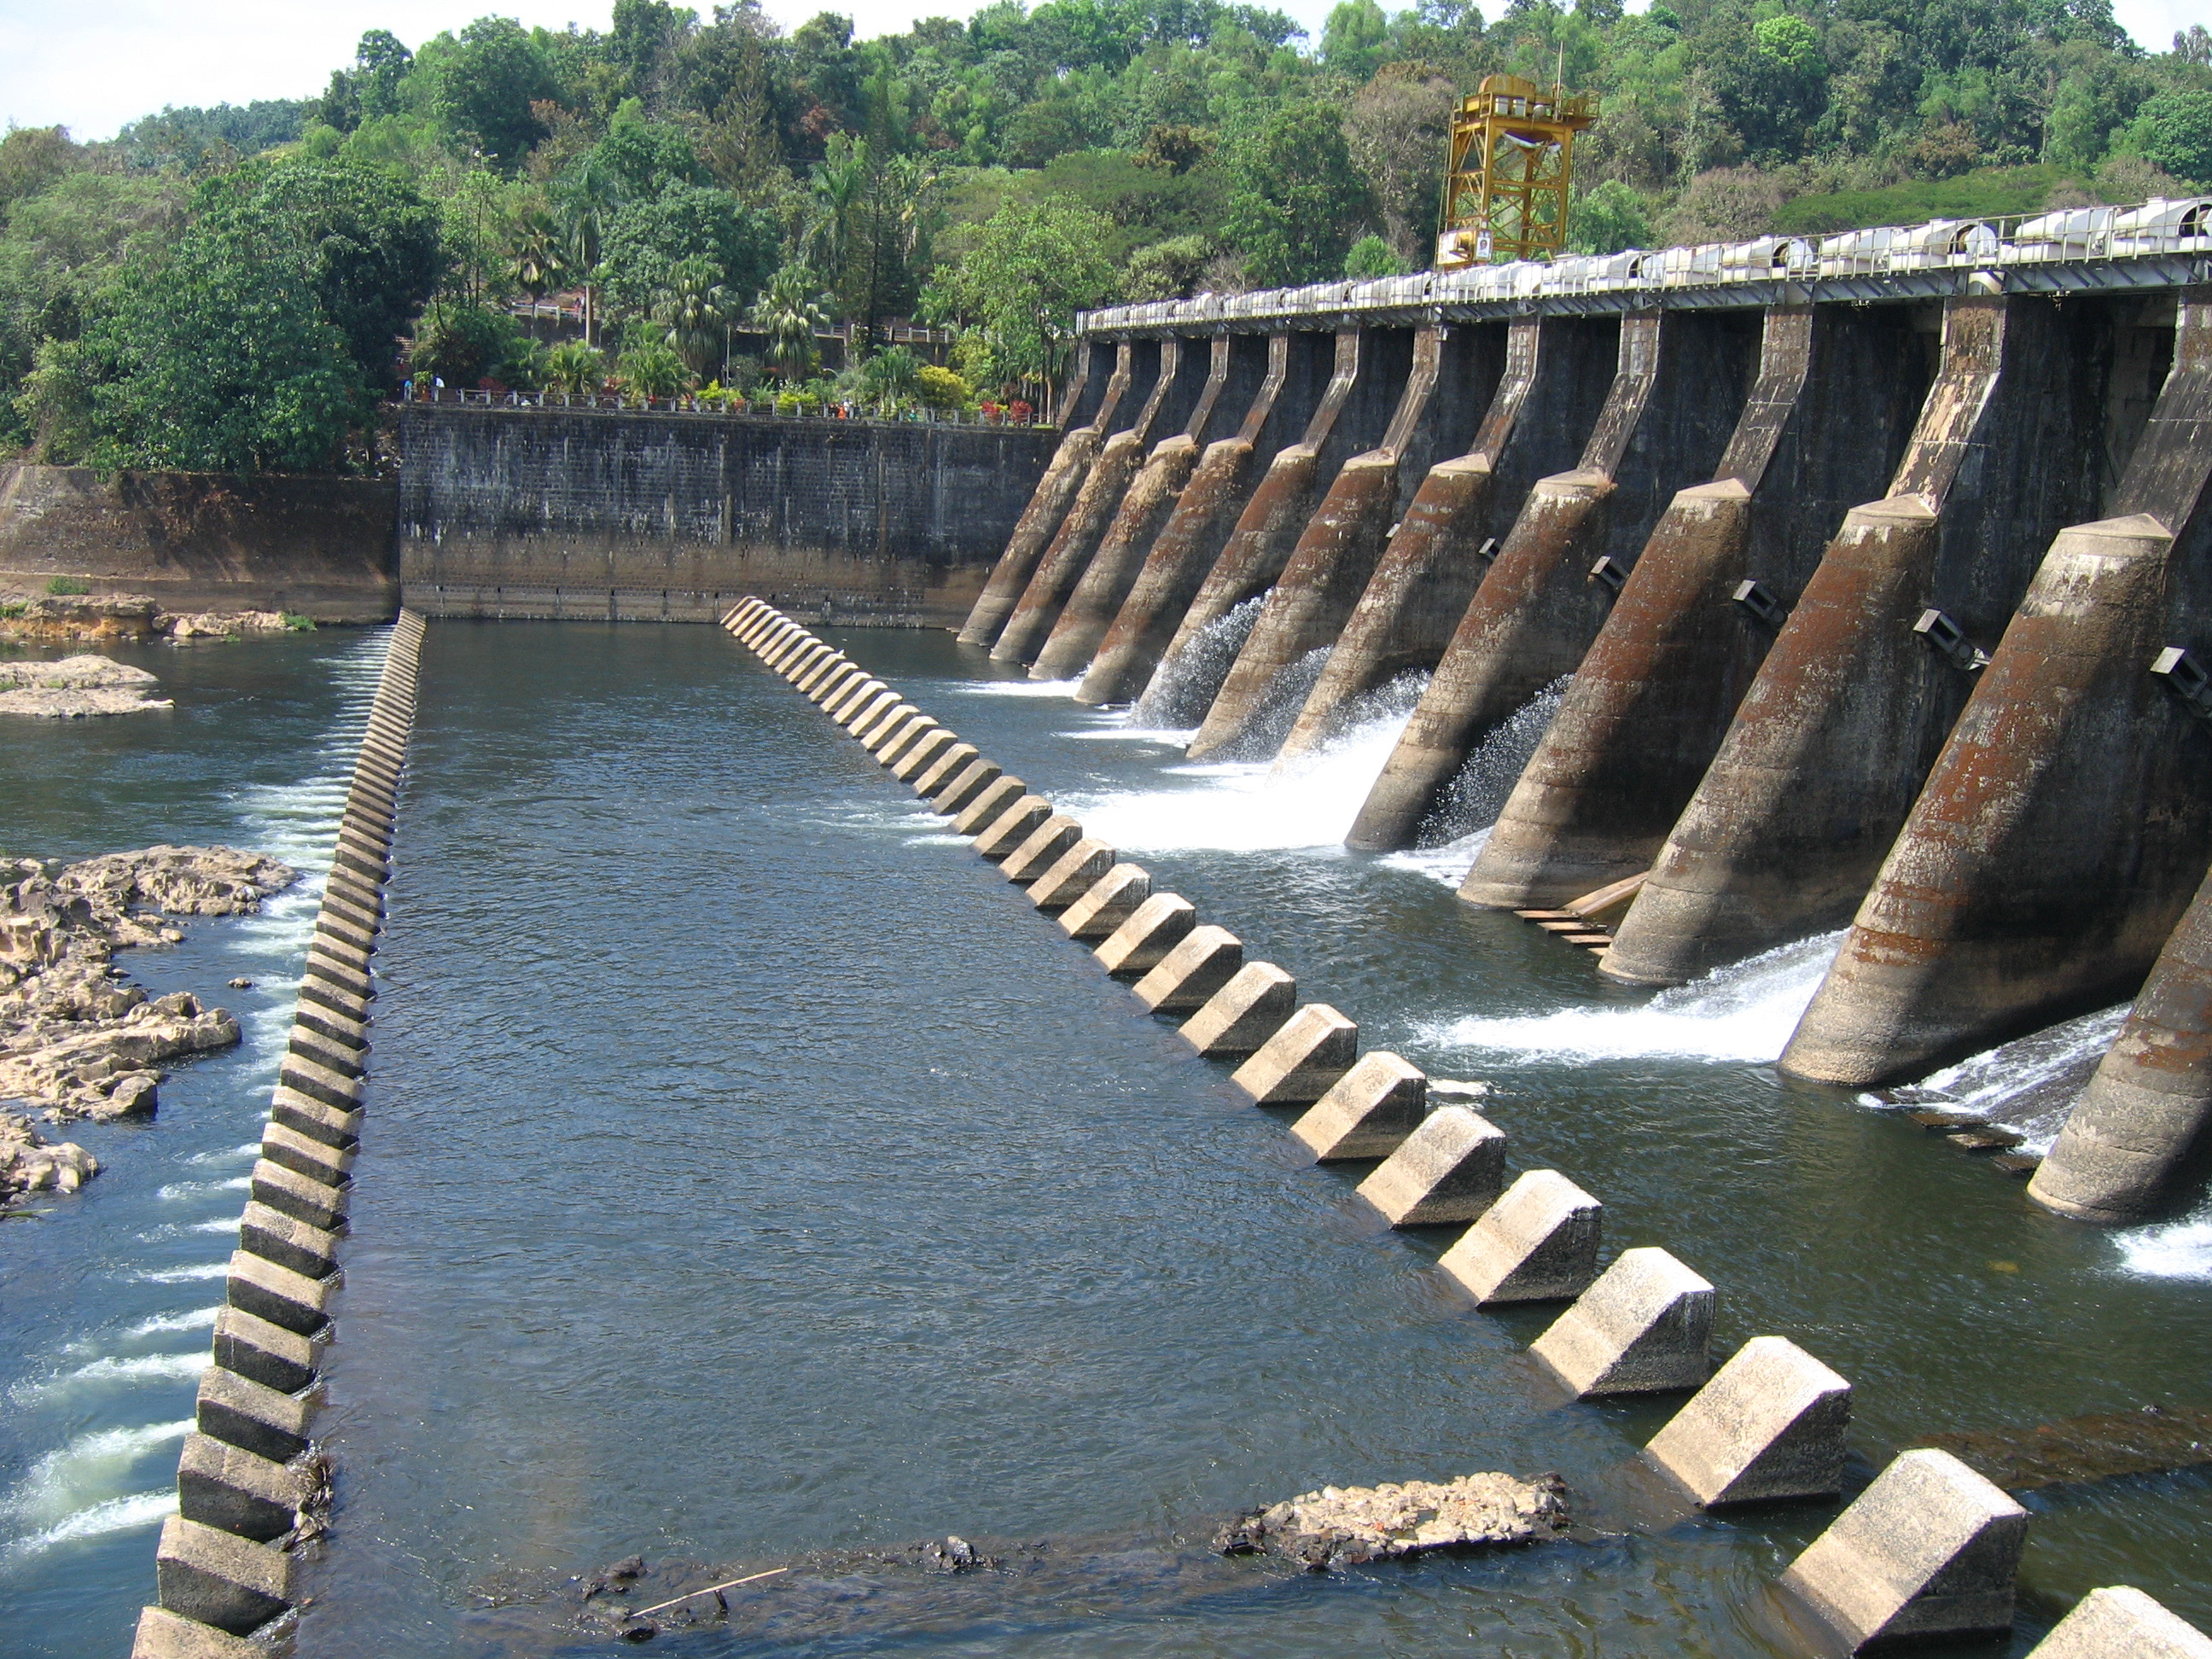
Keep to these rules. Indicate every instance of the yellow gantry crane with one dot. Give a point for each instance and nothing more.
(1510, 166)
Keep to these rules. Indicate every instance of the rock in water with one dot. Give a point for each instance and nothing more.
(1346, 1525)
(74, 687)
(29, 1162)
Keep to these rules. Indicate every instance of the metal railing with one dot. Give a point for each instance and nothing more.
(2041, 249)
(755, 409)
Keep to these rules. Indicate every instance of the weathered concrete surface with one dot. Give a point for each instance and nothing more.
(1240, 1017)
(1770, 1426)
(1113, 899)
(1063, 476)
(1142, 943)
(1369, 1112)
(235, 1584)
(1448, 1169)
(1044, 847)
(1070, 876)
(1454, 373)
(1187, 976)
(1371, 365)
(608, 515)
(2122, 1623)
(225, 1486)
(164, 1635)
(1931, 1549)
(1675, 391)
(1299, 373)
(321, 547)
(1645, 1327)
(1303, 1061)
(1017, 820)
(983, 812)
(2064, 829)
(1236, 371)
(1832, 740)
(1819, 431)
(1172, 381)
(2137, 1133)
(1537, 1243)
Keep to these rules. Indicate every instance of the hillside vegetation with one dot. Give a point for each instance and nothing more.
(233, 288)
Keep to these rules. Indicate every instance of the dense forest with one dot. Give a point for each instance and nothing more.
(235, 288)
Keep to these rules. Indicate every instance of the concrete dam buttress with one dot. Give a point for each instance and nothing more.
(1775, 517)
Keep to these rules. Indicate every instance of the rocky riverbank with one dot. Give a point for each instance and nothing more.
(77, 1040)
(46, 619)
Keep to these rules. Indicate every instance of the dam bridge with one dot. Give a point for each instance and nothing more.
(1872, 571)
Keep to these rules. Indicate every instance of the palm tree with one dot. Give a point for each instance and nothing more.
(695, 310)
(575, 367)
(651, 370)
(537, 262)
(788, 312)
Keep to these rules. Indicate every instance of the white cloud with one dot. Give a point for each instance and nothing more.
(96, 65)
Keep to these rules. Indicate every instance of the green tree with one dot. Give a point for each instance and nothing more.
(1295, 201)
(645, 239)
(2175, 131)
(486, 82)
(651, 368)
(1356, 40)
(1610, 218)
(1018, 288)
(788, 312)
(1370, 256)
(574, 368)
(463, 343)
(694, 314)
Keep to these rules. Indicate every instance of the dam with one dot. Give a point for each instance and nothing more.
(1689, 714)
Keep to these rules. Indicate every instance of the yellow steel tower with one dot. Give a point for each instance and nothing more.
(1511, 164)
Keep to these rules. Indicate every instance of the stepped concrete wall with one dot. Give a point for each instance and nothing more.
(321, 547)
(530, 513)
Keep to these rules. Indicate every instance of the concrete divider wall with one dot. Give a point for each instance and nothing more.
(1820, 429)
(2064, 827)
(1370, 368)
(1300, 373)
(252, 1488)
(1055, 492)
(1930, 1551)
(1455, 371)
(607, 515)
(1804, 794)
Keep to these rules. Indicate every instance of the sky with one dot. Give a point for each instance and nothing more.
(93, 65)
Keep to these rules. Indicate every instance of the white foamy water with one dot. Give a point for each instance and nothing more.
(114, 1515)
(194, 1318)
(1248, 807)
(1447, 865)
(183, 1275)
(1013, 688)
(2173, 1249)
(72, 1491)
(2030, 1084)
(136, 1366)
(194, 1189)
(1744, 1011)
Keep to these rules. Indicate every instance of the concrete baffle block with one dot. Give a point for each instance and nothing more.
(1770, 1425)
(1017, 822)
(1154, 928)
(1073, 874)
(279, 1295)
(234, 1583)
(2122, 1623)
(1929, 1550)
(1301, 1062)
(287, 1241)
(1645, 1327)
(1449, 1170)
(164, 1635)
(971, 781)
(321, 1202)
(1107, 903)
(980, 812)
(241, 1412)
(267, 1353)
(834, 684)
(1044, 847)
(1236, 1020)
(918, 757)
(869, 732)
(1369, 1112)
(886, 736)
(863, 716)
(228, 1487)
(951, 760)
(1537, 1243)
(902, 742)
(1202, 962)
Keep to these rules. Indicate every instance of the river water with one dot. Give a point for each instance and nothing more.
(753, 1179)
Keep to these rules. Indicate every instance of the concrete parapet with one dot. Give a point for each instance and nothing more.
(1111, 900)
(1301, 1062)
(232, 1583)
(1369, 1112)
(1537, 1243)
(1930, 1550)
(1071, 875)
(917, 757)
(1451, 1169)
(983, 811)
(1154, 928)
(254, 1417)
(226, 1487)
(964, 786)
(1240, 1017)
(933, 774)
(164, 1635)
(1646, 1326)
(267, 1353)
(1199, 963)
(1046, 845)
(280, 1296)
(2122, 1623)
(1017, 822)
(1770, 1426)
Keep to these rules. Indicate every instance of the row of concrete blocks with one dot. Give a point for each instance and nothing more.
(249, 1479)
(1931, 1549)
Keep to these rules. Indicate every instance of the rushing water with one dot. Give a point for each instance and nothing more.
(753, 1179)
(107, 1295)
